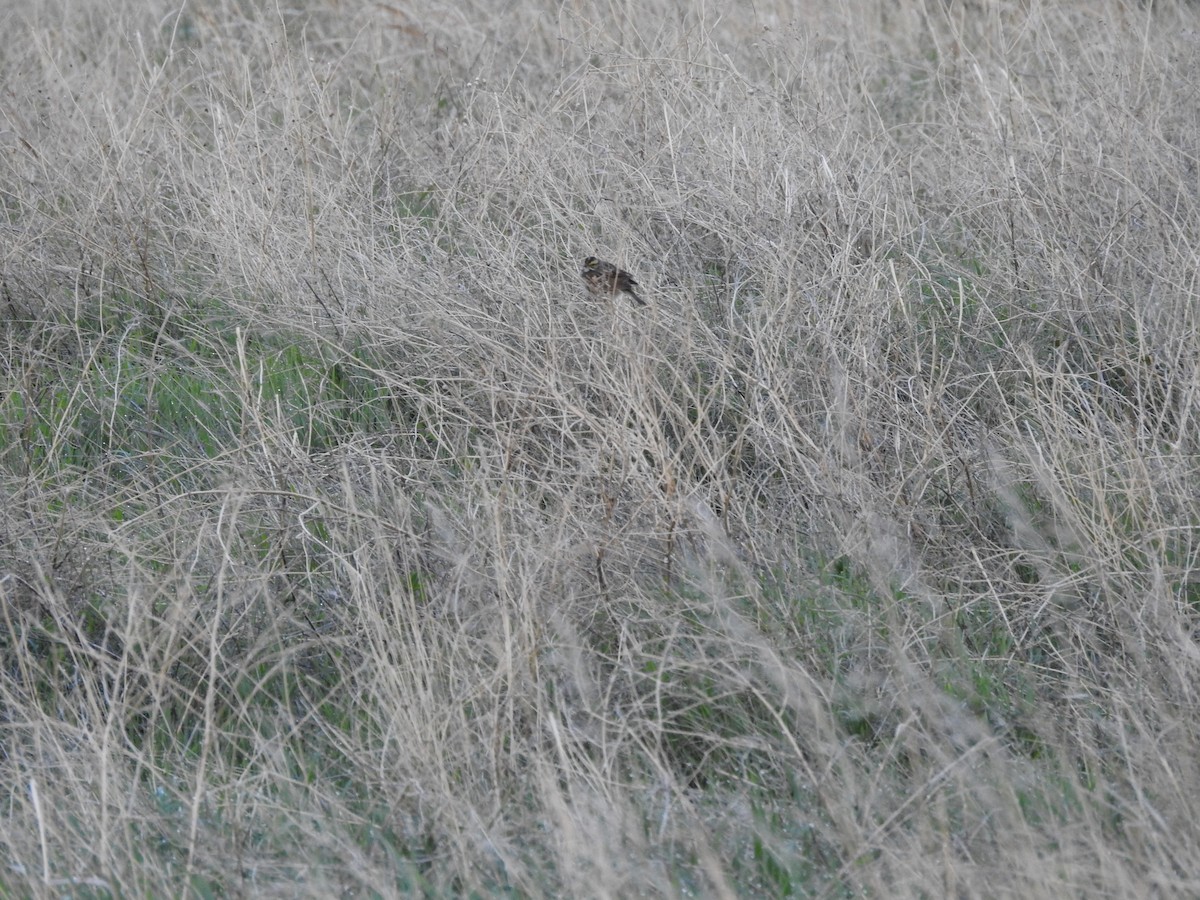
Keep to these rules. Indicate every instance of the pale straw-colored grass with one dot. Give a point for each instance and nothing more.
(348, 548)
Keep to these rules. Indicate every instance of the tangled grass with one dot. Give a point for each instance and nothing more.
(347, 547)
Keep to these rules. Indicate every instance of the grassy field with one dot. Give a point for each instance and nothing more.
(349, 548)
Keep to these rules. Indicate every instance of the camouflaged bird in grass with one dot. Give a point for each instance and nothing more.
(605, 280)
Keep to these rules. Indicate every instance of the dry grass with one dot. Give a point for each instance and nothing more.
(348, 548)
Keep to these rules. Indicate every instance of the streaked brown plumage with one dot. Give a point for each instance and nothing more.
(603, 279)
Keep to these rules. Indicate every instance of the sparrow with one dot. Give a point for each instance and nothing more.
(603, 279)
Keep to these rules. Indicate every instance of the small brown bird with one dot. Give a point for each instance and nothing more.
(603, 279)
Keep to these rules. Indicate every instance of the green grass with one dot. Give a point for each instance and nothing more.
(133, 397)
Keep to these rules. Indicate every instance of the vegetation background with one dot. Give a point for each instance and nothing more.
(347, 548)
